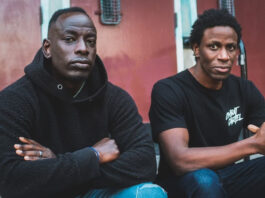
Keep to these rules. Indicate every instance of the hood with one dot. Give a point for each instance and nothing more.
(95, 85)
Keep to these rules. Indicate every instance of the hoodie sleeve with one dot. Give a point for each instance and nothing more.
(136, 163)
(41, 178)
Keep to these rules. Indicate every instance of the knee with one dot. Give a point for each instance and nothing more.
(205, 180)
(150, 190)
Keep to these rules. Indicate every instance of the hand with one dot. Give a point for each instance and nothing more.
(32, 150)
(107, 149)
(259, 137)
(253, 128)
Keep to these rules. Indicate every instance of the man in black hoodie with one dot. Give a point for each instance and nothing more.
(65, 130)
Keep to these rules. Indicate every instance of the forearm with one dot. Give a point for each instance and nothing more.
(132, 167)
(44, 178)
(190, 159)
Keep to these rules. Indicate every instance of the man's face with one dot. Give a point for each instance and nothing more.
(72, 46)
(217, 52)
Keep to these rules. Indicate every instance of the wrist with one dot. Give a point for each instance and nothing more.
(254, 144)
(96, 152)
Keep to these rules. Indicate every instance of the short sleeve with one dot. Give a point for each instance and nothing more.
(167, 107)
(255, 105)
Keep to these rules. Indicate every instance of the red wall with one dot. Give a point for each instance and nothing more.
(20, 37)
(141, 49)
(251, 16)
(206, 4)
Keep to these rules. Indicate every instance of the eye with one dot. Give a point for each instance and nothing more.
(231, 47)
(91, 42)
(213, 46)
(69, 39)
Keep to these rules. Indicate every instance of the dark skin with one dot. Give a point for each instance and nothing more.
(30, 150)
(215, 56)
(71, 46)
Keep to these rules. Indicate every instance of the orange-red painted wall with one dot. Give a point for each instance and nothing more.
(20, 37)
(206, 4)
(141, 49)
(251, 16)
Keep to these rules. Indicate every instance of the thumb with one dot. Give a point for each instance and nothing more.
(253, 128)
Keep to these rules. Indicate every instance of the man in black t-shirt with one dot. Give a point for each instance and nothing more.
(198, 114)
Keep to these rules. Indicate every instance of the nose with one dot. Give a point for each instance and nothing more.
(81, 47)
(223, 55)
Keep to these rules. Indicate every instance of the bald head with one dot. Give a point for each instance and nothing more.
(70, 20)
(60, 12)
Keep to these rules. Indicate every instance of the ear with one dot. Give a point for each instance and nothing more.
(196, 50)
(46, 48)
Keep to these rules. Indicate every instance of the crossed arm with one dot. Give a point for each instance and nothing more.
(31, 150)
(182, 159)
(66, 171)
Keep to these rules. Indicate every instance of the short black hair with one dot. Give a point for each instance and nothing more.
(59, 12)
(211, 18)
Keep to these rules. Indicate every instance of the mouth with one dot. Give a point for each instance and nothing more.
(80, 64)
(222, 69)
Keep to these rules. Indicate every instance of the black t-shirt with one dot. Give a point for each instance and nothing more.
(212, 117)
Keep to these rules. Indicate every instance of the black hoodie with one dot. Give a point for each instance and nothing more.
(38, 107)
